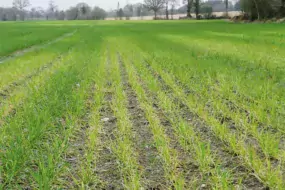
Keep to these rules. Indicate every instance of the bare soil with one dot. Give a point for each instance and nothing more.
(153, 173)
(107, 167)
(228, 159)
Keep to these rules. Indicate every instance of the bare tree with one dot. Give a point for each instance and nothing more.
(117, 11)
(257, 9)
(71, 13)
(227, 7)
(282, 8)
(138, 10)
(154, 5)
(21, 5)
(262, 9)
(120, 13)
(128, 11)
(173, 4)
(51, 10)
(189, 7)
(60, 15)
(166, 9)
(40, 12)
(98, 13)
(33, 13)
(8, 14)
(197, 8)
(84, 11)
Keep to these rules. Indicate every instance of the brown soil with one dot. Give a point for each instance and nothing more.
(229, 160)
(186, 165)
(153, 174)
(107, 166)
(76, 145)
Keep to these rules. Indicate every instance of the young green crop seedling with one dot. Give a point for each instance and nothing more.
(142, 105)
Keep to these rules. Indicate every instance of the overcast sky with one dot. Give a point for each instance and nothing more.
(65, 4)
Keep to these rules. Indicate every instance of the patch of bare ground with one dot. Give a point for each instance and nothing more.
(153, 173)
(227, 159)
(21, 52)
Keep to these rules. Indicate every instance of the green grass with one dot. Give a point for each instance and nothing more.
(210, 103)
(18, 36)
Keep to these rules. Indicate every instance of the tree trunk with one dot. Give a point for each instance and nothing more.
(155, 12)
(282, 8)
(227, 7)
(166, 10)
(257, 9)
(189, 6)
(197, 7)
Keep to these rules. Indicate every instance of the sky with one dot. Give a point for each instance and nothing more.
(65, 4)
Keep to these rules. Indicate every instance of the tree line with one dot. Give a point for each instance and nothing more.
(81, 11)
(263, 9)
(252, 9)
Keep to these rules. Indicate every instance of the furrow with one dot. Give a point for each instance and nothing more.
(268, 144)
(10, 88)
(107, 167)
(17, 94)
(226, 170)
(87, 176)
(123, 146)
(152, 174)
(76, 151)
(236, 143)
(168, 154)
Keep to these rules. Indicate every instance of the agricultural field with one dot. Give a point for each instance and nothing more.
(142, 105)
(18, 36)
